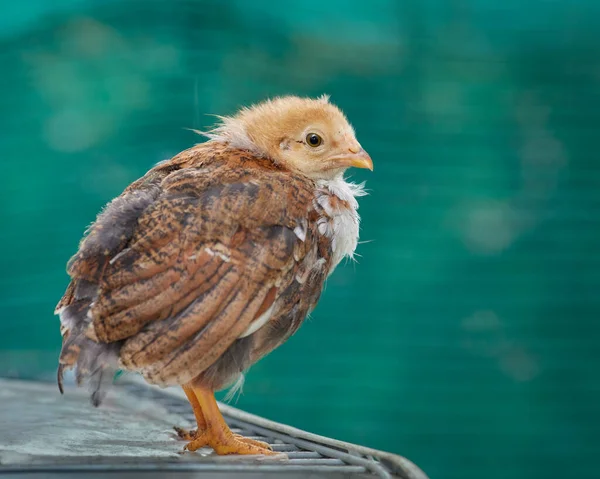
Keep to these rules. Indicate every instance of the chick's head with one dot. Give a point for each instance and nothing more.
(307, 136)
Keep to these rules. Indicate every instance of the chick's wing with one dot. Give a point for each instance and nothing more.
(208, 249)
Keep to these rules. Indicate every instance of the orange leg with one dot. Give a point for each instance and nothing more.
(212, 429)
(191, 434)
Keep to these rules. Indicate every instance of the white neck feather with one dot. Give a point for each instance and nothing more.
(343, 224)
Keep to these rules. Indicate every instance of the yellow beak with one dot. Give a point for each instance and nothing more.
(356, 158)
(360, 159)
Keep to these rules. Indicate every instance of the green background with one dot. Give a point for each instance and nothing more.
(467, 336)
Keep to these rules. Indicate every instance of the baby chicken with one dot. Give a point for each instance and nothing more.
(214, 258)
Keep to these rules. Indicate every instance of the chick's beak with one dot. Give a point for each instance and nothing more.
(360, 159)
(356, 157)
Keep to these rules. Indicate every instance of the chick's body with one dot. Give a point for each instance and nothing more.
(215, 257)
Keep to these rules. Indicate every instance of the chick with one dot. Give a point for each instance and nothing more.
(214, 258)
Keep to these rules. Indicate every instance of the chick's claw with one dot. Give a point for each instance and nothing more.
(186, 434)
(247, 440)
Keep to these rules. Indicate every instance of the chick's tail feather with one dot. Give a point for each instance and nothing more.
(95, 363)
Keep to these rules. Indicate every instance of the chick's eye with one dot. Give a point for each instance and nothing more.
(313, 139)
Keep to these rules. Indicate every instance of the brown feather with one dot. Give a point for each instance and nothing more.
(161, 337)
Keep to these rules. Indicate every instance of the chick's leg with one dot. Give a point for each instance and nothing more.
(217, 434)
(190, 435)
(200, 421)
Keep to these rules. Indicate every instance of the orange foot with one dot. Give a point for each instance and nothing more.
(226, 442)
(213, 431)
(192, 435)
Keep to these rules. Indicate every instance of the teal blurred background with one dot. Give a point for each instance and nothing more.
(467, 337)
